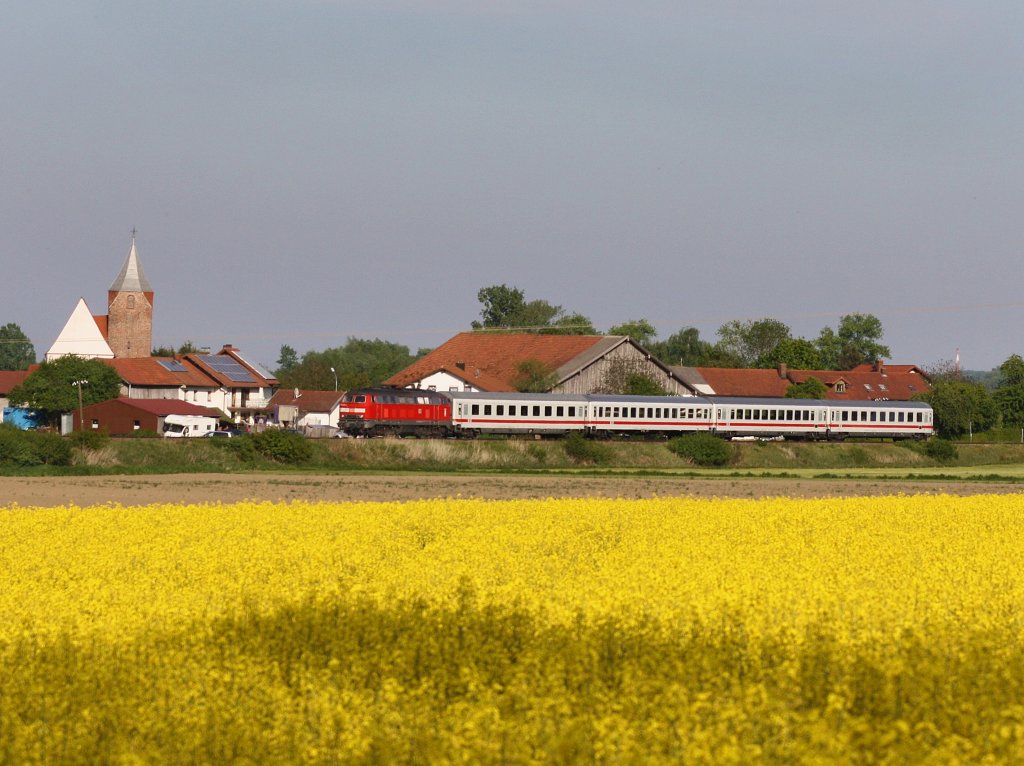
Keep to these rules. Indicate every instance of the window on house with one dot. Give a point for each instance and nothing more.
(95, 423)
(136, 425)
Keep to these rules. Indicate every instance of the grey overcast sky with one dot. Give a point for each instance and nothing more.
(302, 171)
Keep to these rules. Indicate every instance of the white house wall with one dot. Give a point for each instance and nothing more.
(444, 382)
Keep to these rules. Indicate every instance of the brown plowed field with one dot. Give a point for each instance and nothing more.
(227, 488)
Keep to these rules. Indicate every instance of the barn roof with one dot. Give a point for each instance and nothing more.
(163, 407)
(490, 361)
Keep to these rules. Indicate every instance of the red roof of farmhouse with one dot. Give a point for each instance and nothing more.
(11, 378)
(167, 407)
(866, 381)
(490, 361)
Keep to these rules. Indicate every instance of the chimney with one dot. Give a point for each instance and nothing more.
(880, 367)
(783, 370)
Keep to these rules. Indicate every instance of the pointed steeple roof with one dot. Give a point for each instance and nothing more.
(131, 279)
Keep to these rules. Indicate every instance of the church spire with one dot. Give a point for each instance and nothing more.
(131, 279)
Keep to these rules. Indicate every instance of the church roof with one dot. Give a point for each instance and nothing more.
(131, 279)
(81, 336)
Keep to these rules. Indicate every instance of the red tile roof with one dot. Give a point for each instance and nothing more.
(168, 407)
(896, 382)
(11, 378)
(147, 371)
(489, 361)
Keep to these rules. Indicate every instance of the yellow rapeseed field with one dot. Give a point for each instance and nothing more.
(864, 630)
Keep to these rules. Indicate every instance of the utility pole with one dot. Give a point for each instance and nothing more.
(81, 408)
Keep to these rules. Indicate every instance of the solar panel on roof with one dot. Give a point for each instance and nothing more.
(228, 367)
(172, 365)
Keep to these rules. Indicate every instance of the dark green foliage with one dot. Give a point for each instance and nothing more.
(942, 450)
(358, 363)
(812, 388)
(702, 449)
(506, 308)
(639, 384)
(795, 353)
(16, 350)
(282, 446)
(533, 376)
(960, 407)
(585, 451)
(31, 448)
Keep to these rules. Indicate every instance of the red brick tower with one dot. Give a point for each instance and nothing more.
(130, 310)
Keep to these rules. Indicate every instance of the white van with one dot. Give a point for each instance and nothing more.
(178, 426)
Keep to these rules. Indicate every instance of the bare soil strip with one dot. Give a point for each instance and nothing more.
(230, 488)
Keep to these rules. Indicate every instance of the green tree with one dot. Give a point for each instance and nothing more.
(287, 360)
(751, 340)
(795, 353)
(855, 341)
(960, 407)
(572, 324)
(812, 388)
(683, 348)
(1009, 395)
(640, 330)
(506, 308)
(534, 377)
(641, 384)
(503, 306)
(51, 387)
(357, 364)
(16, 350)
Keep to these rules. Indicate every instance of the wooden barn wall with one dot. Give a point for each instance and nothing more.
(592, 378)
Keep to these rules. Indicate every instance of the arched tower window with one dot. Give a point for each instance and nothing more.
(131, 301)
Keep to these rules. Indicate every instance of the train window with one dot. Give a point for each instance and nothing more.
(511, 409)
(476, 409)
(560, 411)
(547, 411)
(361, 399)
(900, 417)
(536, 410)
(487, 409)
(572, 412)
(499, 409)
(615, 412)
(873, 415)
(845, 416)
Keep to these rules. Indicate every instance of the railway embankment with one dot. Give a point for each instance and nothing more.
(156, 456)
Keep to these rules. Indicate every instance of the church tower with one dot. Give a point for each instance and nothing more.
(130, 310)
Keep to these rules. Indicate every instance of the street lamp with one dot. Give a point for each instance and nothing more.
(81, 409)
(335, 379)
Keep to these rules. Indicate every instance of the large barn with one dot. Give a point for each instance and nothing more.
(567, 364)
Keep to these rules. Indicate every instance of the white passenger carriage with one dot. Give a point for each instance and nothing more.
(622, 415)
(476, 413)
(820, 419)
